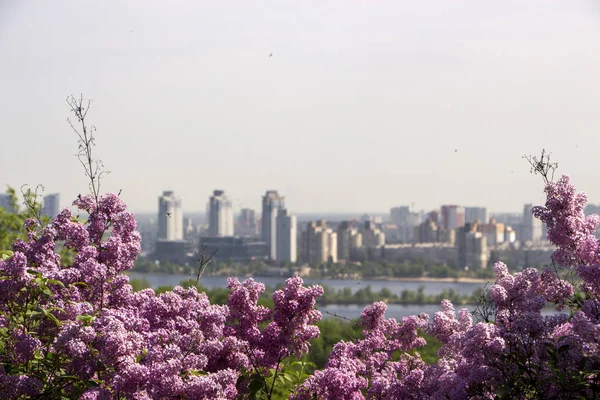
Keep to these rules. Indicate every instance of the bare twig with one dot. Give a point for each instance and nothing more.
(354, 322)
(485, 308)
(542, 166)
(203, 260)
(93, 168)
(30, 202)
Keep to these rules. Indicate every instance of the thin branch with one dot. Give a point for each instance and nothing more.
(484, 307)
(31, 204)
(354, 322)
(542, 166)
(94, 169)
(203, 260)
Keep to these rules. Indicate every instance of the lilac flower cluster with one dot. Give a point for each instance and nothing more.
(110, 343)
(289, 327)
(522, 354)
(367, 365)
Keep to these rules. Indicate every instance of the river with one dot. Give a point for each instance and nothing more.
(210, 282)
(348, 311)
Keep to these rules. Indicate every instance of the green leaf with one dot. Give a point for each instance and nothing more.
(51, 316)
(141, 356)
(55, 282)
(255, 387)
(85, 318)
(68, 377)
(7, 254)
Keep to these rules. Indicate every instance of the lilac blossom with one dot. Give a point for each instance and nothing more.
(86, 318)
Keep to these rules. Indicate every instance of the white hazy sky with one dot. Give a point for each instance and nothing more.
(360, 108)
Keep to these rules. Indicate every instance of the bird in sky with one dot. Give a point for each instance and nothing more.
(456, 150)
(271, 55)
(169, 215)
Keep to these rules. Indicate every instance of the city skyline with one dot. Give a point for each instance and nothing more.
(362, 105)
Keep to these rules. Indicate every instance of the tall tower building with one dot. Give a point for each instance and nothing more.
(399, 215)
(453, 217)
(531, 230)
(285, 236)
(372, 236)
(348, 240)
(321, 243)
(471, 247)
(473, 214)
(51, 205)
(220, 215)
(272, 202)
(170, 217)
(405, 222)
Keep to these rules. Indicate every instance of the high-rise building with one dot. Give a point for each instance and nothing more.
(320, 242)
(510, 236)
(285, 228)
(429, 232)
(51, 205)
(473, 214)
(405, 222)
(348, 240)
(453, 217)
(471, 247)
(531, 229)
(399, 215)
(170, 217)
(493, 232)
(246, 223)
(426, 232)
(220, 215)
(372, 236)
(272, 202)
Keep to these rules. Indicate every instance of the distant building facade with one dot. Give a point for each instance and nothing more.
(372, 236)
(473, 214)
(349, 239)
(321, 244)
(430, 232)
(272, 202)
(51, 205)
(494, 232)
(220, 215)
(531, 229)
(286, 234)
(453, 217)
(170, 217)
(405, 221)
(237, 249)
(246, 223)
(471, 247)
(174, 251)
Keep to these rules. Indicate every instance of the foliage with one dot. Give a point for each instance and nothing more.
(367, 296)
(12, 220)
